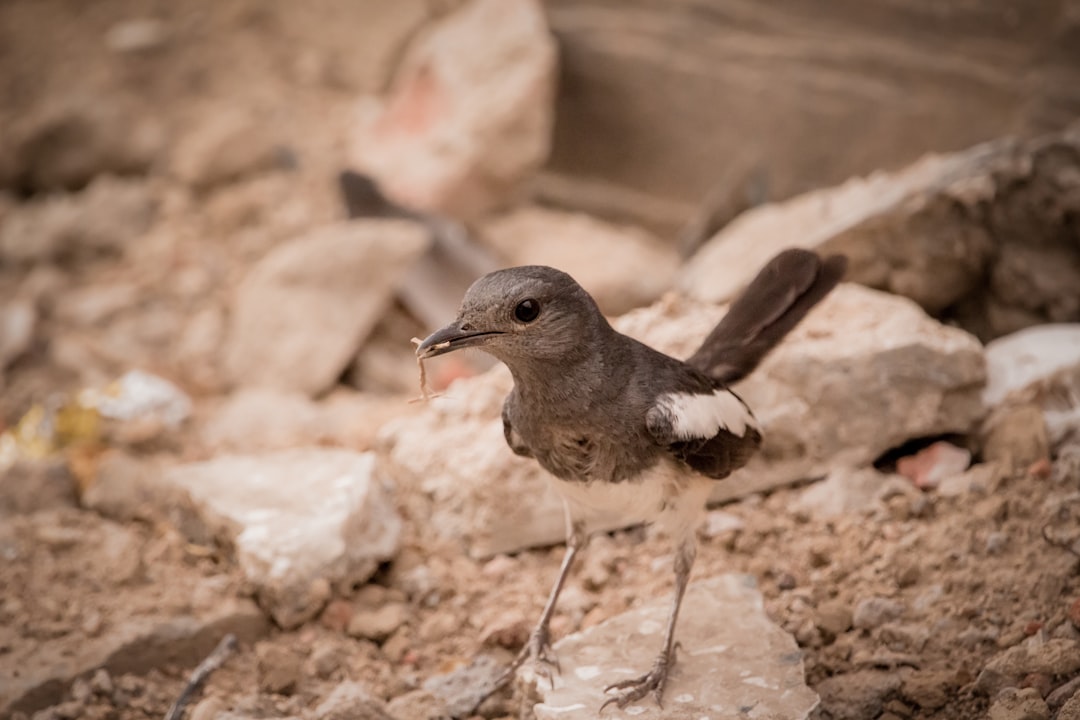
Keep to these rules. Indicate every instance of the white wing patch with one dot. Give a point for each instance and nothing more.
(702, 416)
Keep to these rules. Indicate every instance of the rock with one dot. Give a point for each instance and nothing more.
(1038, 366)
(29, 486)
(929, 689)
(982, 478)
(136, 35)
(723, 667)
(1056, 657)
(133, 645)
(845, 491)
(630, 108)
(1071, 709)
(378, 624)
(351, 701)
(254, 419)
(18, 318)
(820, 398)
(1016, 704)
(833, 618)
(469, 117)
(106, 218)
(123, 488)
(225, 147)
(461, 690)
(300, 521)
(138, 395)
(302, 311)
(419, 704)
(279, 668)
(602, 257)
(961, 218)
(872, 612)
(718, 522)
(856, 695)
(75, 139)
(929, 467)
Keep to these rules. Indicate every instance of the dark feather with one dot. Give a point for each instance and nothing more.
(776, 300)
(718, 456)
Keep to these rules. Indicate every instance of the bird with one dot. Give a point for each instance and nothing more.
(622, 429)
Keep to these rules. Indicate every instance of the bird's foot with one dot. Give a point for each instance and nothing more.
(538, 653)
(636, 688)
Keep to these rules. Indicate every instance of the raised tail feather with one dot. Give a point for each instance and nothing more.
(776, 300)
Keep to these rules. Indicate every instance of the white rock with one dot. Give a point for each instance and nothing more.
(18, 318)
(844, 492)
(1042, 365)
(722, 668)
(470, 116)
(1017, 361)
(953, 232)
(303, 310)
(301, 521)
(623, 267)
(864, 373)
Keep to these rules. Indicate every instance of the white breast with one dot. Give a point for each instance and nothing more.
(702, 416)
(665, 492)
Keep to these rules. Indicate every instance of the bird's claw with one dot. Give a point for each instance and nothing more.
(539, 653)
(636, 688)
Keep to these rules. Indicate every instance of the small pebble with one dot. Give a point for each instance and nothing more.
(101, 682)
(378, 624)
(996, 542)
(875, 611)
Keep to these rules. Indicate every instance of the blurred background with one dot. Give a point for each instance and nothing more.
(221, 223)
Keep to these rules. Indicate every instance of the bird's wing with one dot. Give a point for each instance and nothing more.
(712, 431)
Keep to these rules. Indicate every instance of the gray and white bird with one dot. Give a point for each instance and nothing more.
(625, 430)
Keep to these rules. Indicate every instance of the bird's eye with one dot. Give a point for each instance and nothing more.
(527, 310)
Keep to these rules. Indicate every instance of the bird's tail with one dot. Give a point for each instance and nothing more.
(776, 300)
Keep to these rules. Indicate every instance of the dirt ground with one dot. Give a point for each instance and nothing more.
(957, 579)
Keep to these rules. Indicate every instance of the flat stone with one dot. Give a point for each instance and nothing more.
(469, 117)
(734, 662)
(302, 311)
(301, 521)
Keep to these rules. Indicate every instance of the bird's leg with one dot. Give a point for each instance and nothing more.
(538, 648)
(654, 680)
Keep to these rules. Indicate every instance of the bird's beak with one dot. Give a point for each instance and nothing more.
(451, 338)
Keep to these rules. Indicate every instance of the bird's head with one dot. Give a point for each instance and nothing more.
(523, 314)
